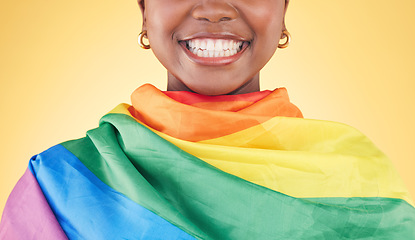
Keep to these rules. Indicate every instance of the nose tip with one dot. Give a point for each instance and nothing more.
(214, 11)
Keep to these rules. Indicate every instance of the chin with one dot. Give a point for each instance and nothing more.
(212, 88)
(210, 92)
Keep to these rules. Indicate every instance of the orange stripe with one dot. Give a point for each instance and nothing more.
(190, 123)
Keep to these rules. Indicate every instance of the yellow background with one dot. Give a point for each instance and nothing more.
(66, 63)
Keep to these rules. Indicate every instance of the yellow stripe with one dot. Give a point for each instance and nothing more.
(122, 108)
(301, 158)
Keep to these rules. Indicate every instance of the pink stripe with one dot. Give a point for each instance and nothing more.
(27, 214)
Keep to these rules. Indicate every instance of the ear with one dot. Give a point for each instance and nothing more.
(285, 11)
(142, 8)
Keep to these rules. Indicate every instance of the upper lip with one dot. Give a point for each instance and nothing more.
(219, 35)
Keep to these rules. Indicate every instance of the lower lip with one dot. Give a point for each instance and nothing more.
(213, 61)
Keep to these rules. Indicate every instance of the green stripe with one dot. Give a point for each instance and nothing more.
(211, 204)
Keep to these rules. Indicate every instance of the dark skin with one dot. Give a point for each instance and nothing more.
(256, 25)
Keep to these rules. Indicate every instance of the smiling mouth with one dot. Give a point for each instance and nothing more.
(214, 48)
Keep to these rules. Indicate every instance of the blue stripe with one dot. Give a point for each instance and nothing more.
(87, 208)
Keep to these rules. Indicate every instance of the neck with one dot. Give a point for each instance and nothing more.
(173, 84)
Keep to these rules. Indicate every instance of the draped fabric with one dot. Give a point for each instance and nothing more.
(178, 165)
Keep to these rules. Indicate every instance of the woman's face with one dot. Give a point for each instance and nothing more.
(213, 47)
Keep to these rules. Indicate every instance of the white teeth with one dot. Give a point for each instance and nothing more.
(203, 45)
(197, 43)
(215, 53)
(219, 45)
(208, 47)
(225, 45)
(200, 53)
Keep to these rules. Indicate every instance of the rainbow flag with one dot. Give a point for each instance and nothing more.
(178, 165)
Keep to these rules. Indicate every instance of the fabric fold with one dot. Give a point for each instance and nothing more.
(178, 165)
(27, 214)
(188, 122)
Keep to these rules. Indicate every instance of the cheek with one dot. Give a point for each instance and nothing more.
(267, 26)
(165, 16)
(158, 24)
(265, 18)
(162, 21)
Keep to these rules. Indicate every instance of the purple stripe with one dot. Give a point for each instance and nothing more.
(27, 214)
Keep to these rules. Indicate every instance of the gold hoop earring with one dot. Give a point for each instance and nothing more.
(141, 37)
(287, 35)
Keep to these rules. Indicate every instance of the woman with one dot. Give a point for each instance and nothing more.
(239, 164)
